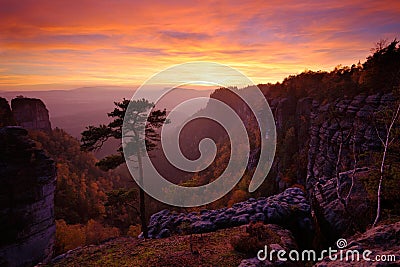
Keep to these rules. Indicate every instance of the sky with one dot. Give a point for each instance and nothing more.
(47, 44)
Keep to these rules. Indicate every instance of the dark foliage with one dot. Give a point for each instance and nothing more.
(133, 112)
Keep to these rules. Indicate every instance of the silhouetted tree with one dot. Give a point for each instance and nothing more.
(382, 68)
(137, 120)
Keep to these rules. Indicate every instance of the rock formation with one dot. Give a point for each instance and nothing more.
(352, 119)
(319, 127)
(383, 240)
(289, 209)
(354, 115)
(31, 113)
(27, 184)
(334, 220)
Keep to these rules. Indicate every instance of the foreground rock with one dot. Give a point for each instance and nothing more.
(27, 184)
(290, 209)
(381, 240)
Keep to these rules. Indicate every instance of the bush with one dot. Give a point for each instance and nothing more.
(96, 232)
(70, 236)
(134, 230)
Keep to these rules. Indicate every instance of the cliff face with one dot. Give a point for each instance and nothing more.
(319, 130)
(27, 185)
(31, 113)
(353, 117)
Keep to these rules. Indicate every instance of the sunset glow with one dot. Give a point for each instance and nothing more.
(63, 44)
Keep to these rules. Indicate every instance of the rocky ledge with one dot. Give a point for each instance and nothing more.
(383, 240)
(289, 209)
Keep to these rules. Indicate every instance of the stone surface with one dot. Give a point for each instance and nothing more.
(355, 117)
(27, 184)
(31, 113)
(336, 220)
(290, 209)
(381, 240)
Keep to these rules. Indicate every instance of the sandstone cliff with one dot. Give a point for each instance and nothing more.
(31, 113)
(354, 115)
(319, 128)
(27, 184)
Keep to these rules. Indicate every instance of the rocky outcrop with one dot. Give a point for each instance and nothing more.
(6, 116)
(289, 209)
(351, 120)
(355, 117)
(383, 240)
(27, 184)
(31, 113)
(318, 132)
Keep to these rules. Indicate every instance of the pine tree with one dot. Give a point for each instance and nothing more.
(94, 137)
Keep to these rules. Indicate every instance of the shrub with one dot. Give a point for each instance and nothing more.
(134, 230)
(70, 236)
(96, 232)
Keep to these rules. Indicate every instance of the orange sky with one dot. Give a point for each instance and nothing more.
(65, 44)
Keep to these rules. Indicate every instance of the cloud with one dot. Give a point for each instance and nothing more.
(185, 35)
